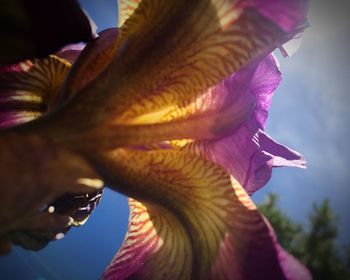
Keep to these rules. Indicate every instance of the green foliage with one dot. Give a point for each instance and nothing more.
(314, 246)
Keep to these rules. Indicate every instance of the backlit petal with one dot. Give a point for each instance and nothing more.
(288, 14)
(125, 9)
(186, 48)
(247, 152)
(194, 222)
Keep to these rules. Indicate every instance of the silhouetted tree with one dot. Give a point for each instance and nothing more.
(315, 246)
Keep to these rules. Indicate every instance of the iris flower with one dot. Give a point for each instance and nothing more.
(169, 109)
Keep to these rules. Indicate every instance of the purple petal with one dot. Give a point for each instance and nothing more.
(266, 79)
(287, 14)
(248, 153)
(291, 267)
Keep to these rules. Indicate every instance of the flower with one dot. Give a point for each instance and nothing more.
(168, 109)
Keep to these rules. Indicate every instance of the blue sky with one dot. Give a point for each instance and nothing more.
(309, 113)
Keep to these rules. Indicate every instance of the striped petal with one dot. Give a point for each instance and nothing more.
(28, 185)
(191, 220)
(187, 47)
(29, 89)
(92, 61)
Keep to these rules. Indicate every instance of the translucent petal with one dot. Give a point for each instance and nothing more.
(192, 220)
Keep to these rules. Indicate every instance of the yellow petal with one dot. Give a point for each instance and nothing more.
(191, 221)
(125, 9)
(168, 53)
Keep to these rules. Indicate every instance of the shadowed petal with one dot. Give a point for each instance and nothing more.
(71, 52)
(28, 89)
(193, 221)
(93, 60)
(33, 173)
(292, 268)
(39, 28)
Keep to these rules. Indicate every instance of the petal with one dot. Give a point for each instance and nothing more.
(288, 14)
(292, 268)
(125, 9)
(248, 155)
(267, 78)
(71, 52)
(193, 221)
(28, 89)
(39, 28)
(247, 152)
(167, 54)
(93, 60)
(27, 185)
